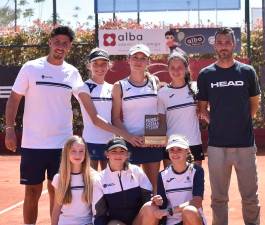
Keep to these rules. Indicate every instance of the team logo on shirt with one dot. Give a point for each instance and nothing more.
(151, 86)
(44, 77)
(171, 95)
(108, 185)
(91, 86)
(170, 179)
(108, 91)
(129, 88)
(132, 177)
(220, 84)
(187, 180)
(190, 93)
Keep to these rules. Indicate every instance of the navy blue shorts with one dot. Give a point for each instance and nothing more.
(35, 162)
(196, 151)
(96, 151)
(145, 155)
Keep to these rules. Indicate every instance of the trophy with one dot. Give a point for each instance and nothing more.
(155, 130)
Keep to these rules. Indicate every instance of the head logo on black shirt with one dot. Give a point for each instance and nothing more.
(227, 83)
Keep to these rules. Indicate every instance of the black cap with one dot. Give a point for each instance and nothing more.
(98, 53)
(116, 142)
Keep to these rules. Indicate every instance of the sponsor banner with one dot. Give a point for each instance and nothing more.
(118, 42)
(162, 41)
(200, 40)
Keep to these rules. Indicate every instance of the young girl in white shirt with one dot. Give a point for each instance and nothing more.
(73, 185)
(96, 102)
(177, 102)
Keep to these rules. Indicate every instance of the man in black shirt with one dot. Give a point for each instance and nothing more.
(231, 91)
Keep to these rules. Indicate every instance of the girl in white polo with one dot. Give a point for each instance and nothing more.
(181, 186)
(96, 102)
(178, 103)
(101, 94)
(133, 98)
(73, 186)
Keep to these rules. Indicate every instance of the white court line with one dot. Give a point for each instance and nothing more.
(18, 204)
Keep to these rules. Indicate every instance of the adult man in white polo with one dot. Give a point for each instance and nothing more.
(47, 84)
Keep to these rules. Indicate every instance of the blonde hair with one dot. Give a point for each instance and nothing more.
(63, 192)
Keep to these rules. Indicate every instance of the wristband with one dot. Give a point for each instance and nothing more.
(170, 211)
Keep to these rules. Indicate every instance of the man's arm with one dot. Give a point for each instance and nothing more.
(254, 105)
(10, 116)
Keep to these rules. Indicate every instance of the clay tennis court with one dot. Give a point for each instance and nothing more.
(11, 195)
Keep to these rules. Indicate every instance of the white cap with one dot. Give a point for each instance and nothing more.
(140, 48)
(176, 140)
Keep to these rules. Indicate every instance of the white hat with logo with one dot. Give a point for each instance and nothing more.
(176, 140)
(140, 48)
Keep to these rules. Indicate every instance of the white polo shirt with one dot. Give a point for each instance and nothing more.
(77, 212)
(180, 109)
(101, 95)
(47, 120)
(177, 188)
(138, 101)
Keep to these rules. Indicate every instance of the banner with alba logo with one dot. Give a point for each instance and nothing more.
(162, 41)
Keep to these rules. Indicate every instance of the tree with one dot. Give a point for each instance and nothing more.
(28, 13)
(76, 10)
(7, 16)
(40, 6)
(23, 3)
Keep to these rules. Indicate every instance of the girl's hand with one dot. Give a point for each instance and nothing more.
(155, 146)
(204, 116)
(135, 141)
(157, 200)
(160, 213)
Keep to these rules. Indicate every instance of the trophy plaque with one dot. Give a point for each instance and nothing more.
(155, 130)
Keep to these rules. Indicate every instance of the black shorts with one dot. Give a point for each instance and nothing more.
(145, 155)
(196, 151)
(97, 151)
(35, 162)
(181, 223)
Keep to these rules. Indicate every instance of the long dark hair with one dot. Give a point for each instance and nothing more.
(190, 157)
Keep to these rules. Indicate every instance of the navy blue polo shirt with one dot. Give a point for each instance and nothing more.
(228, 91)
